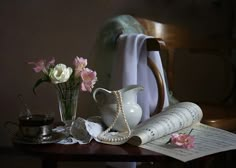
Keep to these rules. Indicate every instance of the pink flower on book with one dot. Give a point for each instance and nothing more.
(182, 140)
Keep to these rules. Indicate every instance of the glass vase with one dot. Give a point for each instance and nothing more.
(68, 103)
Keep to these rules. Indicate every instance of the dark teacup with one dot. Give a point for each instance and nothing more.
(37, 126)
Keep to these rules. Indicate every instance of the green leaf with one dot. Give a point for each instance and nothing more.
(38, 82)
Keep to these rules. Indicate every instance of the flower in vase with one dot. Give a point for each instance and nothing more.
(64, 77)
(88, 77)
(42, 66)
(60, 74)
(67, 81)
(80, 64)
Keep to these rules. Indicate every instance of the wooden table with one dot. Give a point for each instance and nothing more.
(50, 154)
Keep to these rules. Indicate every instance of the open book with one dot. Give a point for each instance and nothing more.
(154, 133)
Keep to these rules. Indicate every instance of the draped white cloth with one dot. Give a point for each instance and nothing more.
(130, 67)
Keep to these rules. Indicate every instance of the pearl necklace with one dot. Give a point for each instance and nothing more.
(116, 138)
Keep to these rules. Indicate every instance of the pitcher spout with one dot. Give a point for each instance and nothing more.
(132, 89)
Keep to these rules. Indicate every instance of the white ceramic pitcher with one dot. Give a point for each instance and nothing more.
(107, 104)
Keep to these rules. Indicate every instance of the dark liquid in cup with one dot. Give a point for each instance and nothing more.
(36, 120)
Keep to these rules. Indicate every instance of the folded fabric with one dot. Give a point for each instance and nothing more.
(130, 67)
(82, 130)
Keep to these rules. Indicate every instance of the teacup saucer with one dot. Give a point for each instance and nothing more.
(54, 138)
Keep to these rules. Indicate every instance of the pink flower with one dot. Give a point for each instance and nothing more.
(89, 78)
(183, 140)
(80, 64)
(41, 65)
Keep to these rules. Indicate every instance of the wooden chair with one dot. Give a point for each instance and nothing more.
(218, 110)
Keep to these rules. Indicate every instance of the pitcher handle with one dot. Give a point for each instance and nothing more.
(102, 90)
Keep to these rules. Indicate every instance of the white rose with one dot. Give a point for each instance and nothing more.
(60, 73)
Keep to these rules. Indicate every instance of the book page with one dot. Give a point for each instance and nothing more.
(208, 140)
(174, 118)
